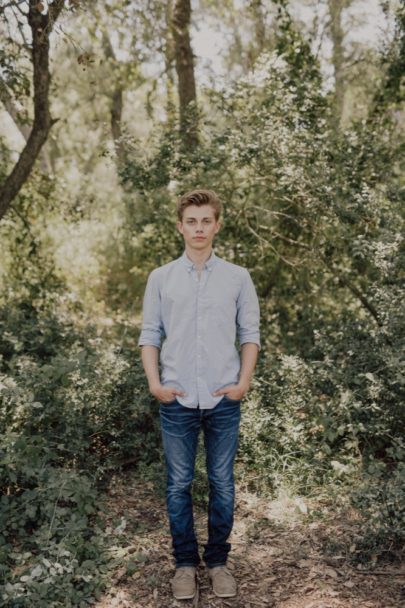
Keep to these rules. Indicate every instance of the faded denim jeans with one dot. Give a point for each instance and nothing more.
(180, 429)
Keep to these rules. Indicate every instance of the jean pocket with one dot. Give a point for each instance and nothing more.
(166, 403)
(231, 400)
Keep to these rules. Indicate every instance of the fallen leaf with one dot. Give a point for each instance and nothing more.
(304, 563)
(309, 588)
(331, 572)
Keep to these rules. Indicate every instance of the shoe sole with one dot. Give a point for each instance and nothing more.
(183, 597)
(225, 594)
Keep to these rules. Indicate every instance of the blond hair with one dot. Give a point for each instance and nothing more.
(199, 197)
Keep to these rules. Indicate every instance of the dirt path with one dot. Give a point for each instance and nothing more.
(278, 565)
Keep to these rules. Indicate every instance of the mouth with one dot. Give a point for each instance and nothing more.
(199, 238)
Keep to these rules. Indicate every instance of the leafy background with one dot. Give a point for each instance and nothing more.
(313, 207)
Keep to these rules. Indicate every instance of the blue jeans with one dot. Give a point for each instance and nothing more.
(180, 429)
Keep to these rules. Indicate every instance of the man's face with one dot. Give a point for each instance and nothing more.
(198, 226)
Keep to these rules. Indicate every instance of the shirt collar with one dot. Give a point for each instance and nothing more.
(190, 264)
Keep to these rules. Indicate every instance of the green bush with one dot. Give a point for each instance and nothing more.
(315, 213)
(335, 418)
(381, 499)
(73, 407)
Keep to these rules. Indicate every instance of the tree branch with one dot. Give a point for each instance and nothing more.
(355, 290)
(12, 4)
(317, 253)
(12, 110)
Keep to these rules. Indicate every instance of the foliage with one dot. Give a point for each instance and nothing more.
(73, 407)
(314, 213)
(318, 222)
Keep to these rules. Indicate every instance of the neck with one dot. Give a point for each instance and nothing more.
(199, 257)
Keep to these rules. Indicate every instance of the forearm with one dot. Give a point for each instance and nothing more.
(150, 362)
(249, 352)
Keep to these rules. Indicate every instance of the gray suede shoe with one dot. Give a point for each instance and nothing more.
(223, 583)
(184, 583)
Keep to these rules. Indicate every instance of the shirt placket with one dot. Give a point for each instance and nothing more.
(199, 333)
(198, 357)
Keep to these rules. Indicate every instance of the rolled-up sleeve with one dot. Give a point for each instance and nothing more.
(248, 312)
(152, 327)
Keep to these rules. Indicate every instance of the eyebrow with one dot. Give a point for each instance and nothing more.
(207, 217)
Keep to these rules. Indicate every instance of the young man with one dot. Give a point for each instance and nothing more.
(199, 303)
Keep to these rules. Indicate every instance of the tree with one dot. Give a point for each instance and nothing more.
(185, 72)
(41, 25)
(335, 8)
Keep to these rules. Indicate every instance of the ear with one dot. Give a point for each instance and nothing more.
(218, 227)
(179, 226)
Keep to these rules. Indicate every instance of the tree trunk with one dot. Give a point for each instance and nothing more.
(260, 26)
(169, 60)
(41, 27)
(116, 104)
(185, 73)
(336, 32)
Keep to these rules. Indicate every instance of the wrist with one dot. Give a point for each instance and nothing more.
(244, 383)
(154, 386)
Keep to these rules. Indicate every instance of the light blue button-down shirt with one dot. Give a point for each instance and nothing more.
(199, 319)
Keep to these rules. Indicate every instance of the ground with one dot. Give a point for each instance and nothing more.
(280, 558)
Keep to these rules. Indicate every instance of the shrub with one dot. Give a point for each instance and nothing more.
(74, 406)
